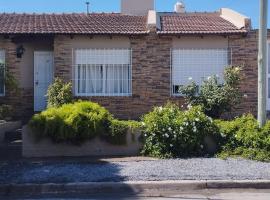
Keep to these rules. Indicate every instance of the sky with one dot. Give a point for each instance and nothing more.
(249, 8)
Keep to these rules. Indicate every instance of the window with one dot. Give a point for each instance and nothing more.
(2, 73)
(102, 72)
(196, 65)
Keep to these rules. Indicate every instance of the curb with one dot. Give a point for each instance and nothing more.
(155, 188)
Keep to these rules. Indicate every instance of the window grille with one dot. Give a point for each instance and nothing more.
(2, 72)
(102, 72)
(196, 65)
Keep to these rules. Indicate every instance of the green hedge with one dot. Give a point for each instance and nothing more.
(78, 122)
(242, 137)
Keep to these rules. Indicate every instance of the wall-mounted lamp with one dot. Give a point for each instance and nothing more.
(19, 51)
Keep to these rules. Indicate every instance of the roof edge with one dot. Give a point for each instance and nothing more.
(239, 20)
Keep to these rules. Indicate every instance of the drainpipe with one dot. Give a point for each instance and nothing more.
(262, 65)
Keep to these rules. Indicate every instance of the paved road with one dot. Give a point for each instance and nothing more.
(202, 195)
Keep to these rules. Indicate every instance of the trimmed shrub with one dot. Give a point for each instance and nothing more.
(118, 131)
(5, 112)
(59, 93)
(215, 97)
(170, 132)
(242, 137)
(72, 123)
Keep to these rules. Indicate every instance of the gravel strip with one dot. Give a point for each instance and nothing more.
(155, 170)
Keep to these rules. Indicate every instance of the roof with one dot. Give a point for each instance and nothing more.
(196, 23)
(115, 23)
(94, 23)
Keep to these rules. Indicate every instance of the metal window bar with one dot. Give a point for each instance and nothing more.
(102, 72)
(2, 73)
(197, 64)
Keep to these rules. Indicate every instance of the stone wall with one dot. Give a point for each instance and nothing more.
(150, 74)
(12, 63)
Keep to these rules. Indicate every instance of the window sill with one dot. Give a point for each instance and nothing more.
(103, 95)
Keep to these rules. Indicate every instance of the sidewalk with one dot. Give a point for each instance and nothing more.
(135, 175)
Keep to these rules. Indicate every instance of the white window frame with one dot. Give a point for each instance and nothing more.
(2, 51)
(104, 61)
(172, 90)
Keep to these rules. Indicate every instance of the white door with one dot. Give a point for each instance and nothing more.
(43, 77)
(268, 77)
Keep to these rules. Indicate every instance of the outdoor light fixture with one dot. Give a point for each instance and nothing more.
(19, 51)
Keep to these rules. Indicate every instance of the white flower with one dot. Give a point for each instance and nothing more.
(169, 129)
(197, 119)
(193, 124)
(143, 123)
(174, 132)
(208, 78)
(189, 106)
(145, 135)
(201, 146)
(163, 129)
(175, 136)
(171, 145)
(195, 129)
(190, 78)
(181, 128)
(160, 108)
(167, 135)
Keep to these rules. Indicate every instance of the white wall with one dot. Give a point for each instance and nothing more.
(100, 42)
(137, 7)
(206, 42)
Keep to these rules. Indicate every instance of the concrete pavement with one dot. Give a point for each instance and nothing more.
(228, 194)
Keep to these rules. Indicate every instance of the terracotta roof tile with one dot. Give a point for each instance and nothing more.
(110, 23)
(196, 23)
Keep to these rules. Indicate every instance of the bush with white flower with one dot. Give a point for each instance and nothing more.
(215, 96)
(171, 132)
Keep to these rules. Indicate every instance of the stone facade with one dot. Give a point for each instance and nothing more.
(150, 74)
(12, 63)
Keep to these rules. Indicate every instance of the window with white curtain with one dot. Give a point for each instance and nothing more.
(102, 72)
(2, 72)
(196, 65)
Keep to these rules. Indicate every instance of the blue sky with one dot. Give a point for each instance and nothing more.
(247, 7)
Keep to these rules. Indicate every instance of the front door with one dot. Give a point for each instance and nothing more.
(268, 77)
(43, 77)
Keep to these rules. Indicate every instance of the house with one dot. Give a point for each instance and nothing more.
(128, 61)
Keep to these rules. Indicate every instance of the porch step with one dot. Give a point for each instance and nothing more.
(13, 136)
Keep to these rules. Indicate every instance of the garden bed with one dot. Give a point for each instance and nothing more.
(95, 147)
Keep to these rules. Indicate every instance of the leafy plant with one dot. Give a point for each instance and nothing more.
(73, 123)
(10, 81)
(170, 132)
(78, 122)
(118, 131)
(5, 112)
(214, 97)
(242, 137)
(59, 93)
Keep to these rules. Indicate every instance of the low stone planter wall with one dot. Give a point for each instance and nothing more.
(95, 147)
(7, 127)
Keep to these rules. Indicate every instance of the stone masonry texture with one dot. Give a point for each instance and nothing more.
(150, 74)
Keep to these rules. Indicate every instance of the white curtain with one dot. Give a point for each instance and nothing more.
(102, 72)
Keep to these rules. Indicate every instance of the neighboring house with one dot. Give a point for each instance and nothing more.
(128, 61)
